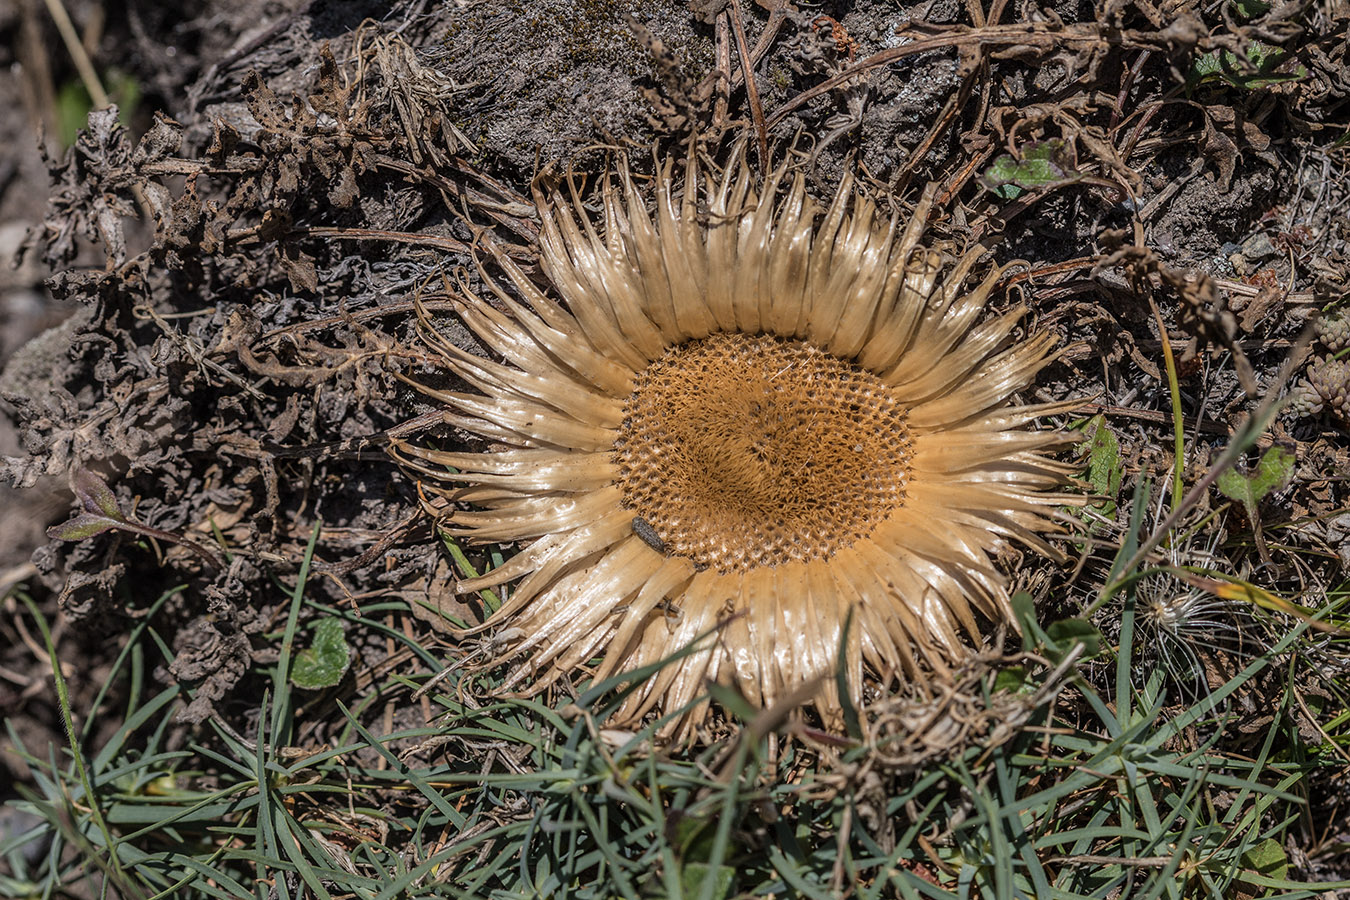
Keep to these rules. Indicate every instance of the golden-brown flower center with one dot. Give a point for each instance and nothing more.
(742, 451)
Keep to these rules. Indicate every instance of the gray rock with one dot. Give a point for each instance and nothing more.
(1258, 247)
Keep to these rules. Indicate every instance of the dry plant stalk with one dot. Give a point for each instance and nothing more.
(748, 416)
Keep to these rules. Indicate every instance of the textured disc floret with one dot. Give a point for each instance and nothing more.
(737, 421)
(751, 450)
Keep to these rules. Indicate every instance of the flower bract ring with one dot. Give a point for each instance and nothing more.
(738, 421)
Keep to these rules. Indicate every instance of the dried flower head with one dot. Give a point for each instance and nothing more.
(1194, 639)
(748, 416)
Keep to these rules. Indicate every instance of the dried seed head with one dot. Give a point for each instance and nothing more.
(745, 451)
(752, 418)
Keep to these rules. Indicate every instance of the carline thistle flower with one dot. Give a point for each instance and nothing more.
(742, 415)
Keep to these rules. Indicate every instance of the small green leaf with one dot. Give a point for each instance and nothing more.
(696, 874)
(1066, 633)
(83, 525)
(1257, 71)
(326, 659)
(1013, 679)
(1046, 164)
(1268, 858)
(1057, 640)
(100, 510)
(1104, 469)
(1274, 471)
(1250, 9)
(102, 514)
(692, 835)
(95, 495)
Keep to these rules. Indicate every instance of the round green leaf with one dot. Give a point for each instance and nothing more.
(325, 661)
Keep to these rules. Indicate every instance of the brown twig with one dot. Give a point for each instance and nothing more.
(75, 47)
(954, 104)
(777, 15)
(436, 241)
(1127, 82)
(751, 89)
(722, 51)
(336, 448)
(959, 181)
(989, 36)
(375, 551)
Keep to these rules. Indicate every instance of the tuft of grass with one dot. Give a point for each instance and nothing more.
(1084, 779)
(1096, 787)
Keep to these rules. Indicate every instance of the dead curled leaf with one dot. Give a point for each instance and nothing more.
(1227, 130)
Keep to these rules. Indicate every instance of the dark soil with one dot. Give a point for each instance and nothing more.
(216, 297)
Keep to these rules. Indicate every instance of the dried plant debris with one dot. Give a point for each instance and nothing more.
(236, 370)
